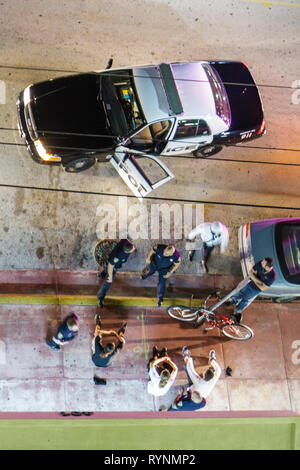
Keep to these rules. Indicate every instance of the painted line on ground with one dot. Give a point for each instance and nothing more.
(91, 300)
(267, 3)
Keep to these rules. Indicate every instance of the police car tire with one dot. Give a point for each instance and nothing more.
(208, 151)
(79, 164)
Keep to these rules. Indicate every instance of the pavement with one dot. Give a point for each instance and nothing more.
(35, 379)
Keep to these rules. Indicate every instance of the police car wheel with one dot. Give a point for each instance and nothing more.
(207, 151)
(80, 164)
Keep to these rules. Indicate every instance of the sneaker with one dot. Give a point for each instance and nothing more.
(212, 355)
(97, 319)
(99, 380)
(53, 345)
(100, 302)
(122, 329)
(159, 302)
(236, 317)
(185, 352)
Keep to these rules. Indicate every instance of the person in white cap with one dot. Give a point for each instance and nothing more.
(211, 234)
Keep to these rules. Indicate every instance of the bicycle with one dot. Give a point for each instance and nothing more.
(228, 326)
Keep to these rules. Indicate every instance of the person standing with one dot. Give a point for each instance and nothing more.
(117, 258)
(66, 332)
(162, 372)
(206, 378)
(164, 259)
(262, 275)
(103, 355)
(210, 235)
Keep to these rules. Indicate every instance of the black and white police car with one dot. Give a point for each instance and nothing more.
(152, 111)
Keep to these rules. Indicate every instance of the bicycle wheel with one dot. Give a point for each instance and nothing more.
(237, 331)
(182, 313)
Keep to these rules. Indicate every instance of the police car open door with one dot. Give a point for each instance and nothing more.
(142, 173)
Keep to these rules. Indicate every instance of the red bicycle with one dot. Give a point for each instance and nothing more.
(200, 316)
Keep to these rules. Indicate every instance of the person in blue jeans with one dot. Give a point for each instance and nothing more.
(262, 276)
(117, 258)
(164, 259)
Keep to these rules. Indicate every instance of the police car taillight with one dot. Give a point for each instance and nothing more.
(262, 127)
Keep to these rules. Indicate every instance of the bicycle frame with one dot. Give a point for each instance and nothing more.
(240, 286)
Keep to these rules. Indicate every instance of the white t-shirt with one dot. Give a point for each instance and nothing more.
(200, 385)
(210, 238)
(153, 384)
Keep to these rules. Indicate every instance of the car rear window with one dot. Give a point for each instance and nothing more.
(288, 250)
(191, 128)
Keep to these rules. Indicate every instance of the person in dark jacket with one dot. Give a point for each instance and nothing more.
(66, 332)
(103, 355)
(117, 258)
(164, 259)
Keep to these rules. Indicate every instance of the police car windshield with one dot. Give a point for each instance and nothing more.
(118, 96)
(288, 248)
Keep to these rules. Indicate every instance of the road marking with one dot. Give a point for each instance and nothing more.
(267, 3)
(2, 92)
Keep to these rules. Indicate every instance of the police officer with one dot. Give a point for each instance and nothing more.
(164, 259)
(66, 332)
(116, 259)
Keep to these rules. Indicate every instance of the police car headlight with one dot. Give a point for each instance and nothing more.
(27, 95)
(44, 154)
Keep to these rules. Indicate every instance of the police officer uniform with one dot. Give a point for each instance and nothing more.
(64, 334)
(162, 264)
(117, 258)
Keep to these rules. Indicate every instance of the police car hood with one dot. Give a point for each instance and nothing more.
(192, 85)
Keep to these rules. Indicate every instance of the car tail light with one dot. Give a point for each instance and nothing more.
(262, 127)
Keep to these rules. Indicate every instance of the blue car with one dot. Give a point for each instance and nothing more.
(279, 239)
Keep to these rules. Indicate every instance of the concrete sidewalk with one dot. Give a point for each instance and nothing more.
(34, 378)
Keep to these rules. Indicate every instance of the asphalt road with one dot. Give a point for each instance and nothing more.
(50, 218)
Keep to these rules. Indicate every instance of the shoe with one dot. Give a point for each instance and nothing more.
(236, 317)
(99, 380)
(164, 352)
(53, 345)
(185, 352)
(100, 302)
(191, 255)
(122, 329)
(212, 355)
(159, 302)
(154, 351)
(97, 319)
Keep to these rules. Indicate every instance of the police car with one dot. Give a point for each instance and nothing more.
(152, 111)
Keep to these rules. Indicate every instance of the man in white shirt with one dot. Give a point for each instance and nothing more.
(162, 372)
(210, 235)
(204, 381)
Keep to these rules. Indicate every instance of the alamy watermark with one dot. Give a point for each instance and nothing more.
(2, 92)
(296, 94)
(148, 221)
